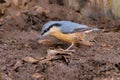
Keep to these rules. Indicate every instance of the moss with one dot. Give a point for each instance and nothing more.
(109, 3)
(116, 8)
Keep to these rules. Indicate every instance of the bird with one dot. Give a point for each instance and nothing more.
(67, 31)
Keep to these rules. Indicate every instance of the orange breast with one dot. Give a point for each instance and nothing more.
(70, 38)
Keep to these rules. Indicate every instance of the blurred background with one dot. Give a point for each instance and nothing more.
(22, 58)
(91, 12)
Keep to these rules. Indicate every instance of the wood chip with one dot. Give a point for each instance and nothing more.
(38, 76)
(45, 42)
(17, 64)
(30, 59)
(59, 51)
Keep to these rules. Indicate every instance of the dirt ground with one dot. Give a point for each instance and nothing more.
(22, 58)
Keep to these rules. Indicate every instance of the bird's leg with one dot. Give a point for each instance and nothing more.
(67, 50)
(70, 47)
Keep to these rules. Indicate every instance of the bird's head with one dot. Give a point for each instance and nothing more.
(48, 30)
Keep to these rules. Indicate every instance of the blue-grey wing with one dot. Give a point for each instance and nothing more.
(69, 27)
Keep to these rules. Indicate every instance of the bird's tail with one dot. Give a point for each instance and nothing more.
(90, 34)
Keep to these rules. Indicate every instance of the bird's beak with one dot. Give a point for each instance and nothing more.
(39, 37)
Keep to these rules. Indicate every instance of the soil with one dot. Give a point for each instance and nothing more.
(22, 58)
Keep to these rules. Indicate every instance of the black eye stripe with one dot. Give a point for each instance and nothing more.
(56, 25)
(45, 30)
(42, 33)
(50, 27)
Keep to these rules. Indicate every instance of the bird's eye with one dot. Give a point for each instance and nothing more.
(45, 31)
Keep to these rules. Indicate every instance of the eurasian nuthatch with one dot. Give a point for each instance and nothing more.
(67, 31)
